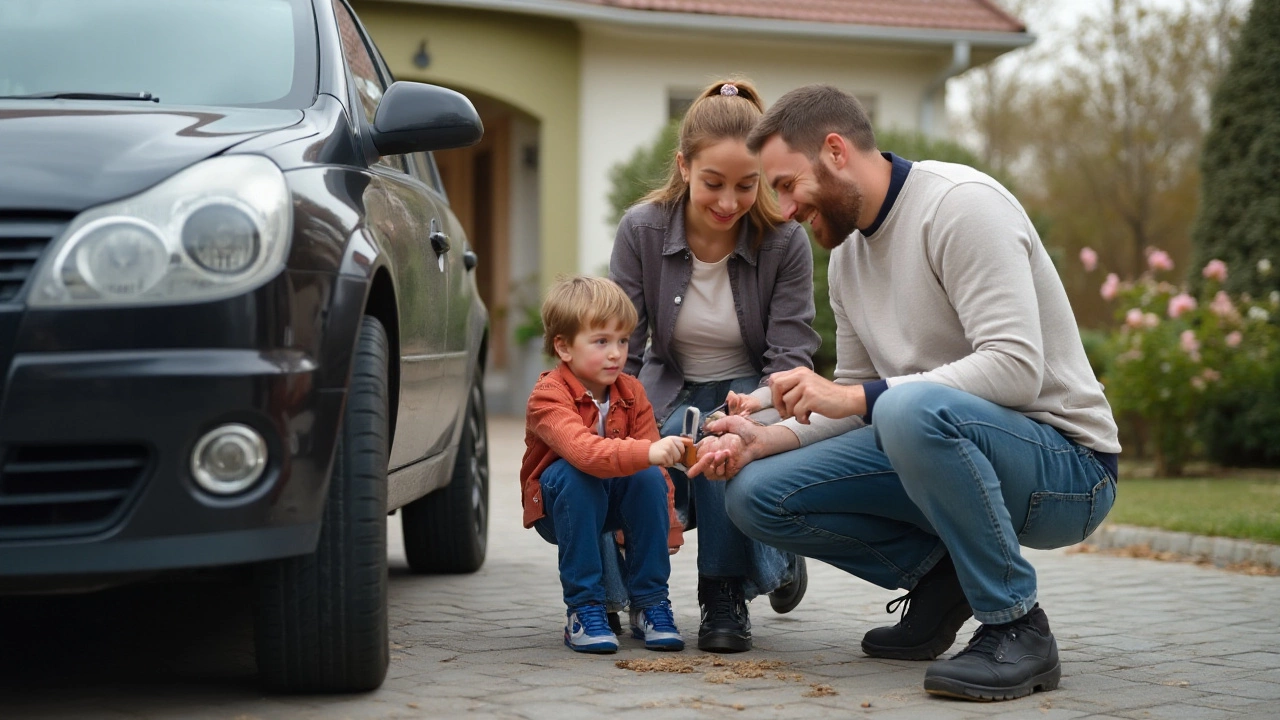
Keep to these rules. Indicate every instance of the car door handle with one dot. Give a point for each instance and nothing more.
(439, 242)
(470, 259)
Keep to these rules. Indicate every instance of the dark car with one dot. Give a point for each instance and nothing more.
(238, 320)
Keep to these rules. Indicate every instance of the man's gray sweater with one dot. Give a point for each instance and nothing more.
(955, 287)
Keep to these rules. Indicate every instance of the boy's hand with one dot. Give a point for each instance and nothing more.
(666, 451)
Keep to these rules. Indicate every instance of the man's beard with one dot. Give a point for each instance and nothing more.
(839, 203)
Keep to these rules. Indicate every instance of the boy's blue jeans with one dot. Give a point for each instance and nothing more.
(723, 550)
(579, 507)
(938, 471)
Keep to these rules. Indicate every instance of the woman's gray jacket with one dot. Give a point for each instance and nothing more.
(772, 296)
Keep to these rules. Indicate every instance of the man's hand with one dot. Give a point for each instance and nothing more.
(666, 451)
(721, 457)
(800, 392)
(741, 404)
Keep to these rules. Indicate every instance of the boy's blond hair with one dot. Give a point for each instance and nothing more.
(582, 302)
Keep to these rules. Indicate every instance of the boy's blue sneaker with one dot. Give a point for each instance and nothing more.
(586, 630)
(657, 627)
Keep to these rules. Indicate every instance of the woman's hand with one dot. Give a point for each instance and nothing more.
(742, 404)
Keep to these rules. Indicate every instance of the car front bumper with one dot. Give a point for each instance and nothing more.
(96, 437)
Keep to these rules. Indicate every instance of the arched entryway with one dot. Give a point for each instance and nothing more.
(493, 189)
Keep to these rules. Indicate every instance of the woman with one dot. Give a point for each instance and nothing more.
(724, 290)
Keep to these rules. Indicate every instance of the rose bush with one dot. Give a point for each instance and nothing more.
(1175, 359)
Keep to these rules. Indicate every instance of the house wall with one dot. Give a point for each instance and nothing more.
(626, 79)
(530, 63)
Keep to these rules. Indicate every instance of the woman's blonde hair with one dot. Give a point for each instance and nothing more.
(583, 302)
(726, 110)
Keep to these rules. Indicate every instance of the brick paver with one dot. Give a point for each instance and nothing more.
(1138, 639)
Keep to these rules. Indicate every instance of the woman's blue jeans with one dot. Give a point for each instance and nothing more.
(938, 471)
(723, 550)
(579, 507)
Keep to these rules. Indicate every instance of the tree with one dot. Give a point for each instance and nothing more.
(1109, 124)
(1239, 221)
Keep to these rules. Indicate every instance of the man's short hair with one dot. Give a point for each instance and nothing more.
(582, 302)
(805, 116)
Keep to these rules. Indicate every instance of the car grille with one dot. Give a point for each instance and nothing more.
(21, 243)
(61, 490)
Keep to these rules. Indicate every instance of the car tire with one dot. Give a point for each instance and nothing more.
(322, 618)
(447, 531)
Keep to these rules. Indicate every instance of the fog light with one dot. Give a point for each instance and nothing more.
(228, 459)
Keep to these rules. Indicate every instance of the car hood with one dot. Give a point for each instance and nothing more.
(67, 156)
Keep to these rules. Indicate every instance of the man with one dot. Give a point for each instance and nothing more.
(964, 419)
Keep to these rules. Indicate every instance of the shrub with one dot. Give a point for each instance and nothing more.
(1176, 358)
(646, 170)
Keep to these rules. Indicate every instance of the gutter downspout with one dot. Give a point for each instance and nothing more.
(959, 63)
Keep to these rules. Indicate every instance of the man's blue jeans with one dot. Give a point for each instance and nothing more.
(938, 471)
(579, 507)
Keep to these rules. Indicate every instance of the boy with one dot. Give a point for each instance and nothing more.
(593, 462)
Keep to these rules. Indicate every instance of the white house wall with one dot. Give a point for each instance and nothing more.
(626, 80)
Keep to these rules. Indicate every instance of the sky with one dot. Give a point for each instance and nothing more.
(1052, 22)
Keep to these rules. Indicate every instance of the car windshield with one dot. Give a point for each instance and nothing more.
(183, 52)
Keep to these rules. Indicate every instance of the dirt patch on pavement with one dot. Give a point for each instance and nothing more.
(719, 671)
(711, 665)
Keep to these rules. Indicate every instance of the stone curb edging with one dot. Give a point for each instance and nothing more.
(1217, 550)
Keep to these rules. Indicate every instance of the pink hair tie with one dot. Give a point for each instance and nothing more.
(729, 89)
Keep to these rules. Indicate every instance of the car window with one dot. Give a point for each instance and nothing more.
(369, 86)
(184, 52)
(424, 166)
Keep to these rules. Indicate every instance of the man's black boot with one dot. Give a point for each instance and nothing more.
(931, 614)
(1001, 662)
(786, 597)
(726, 626)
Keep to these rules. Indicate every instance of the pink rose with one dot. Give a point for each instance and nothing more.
(1159, 260)
(1181, 303)
(1215, 270)
(1188, 342)
(1222, 305)
(1133, 318)
(1150, 320)
(1234, 338)
(1110, 287)
(1089, 259)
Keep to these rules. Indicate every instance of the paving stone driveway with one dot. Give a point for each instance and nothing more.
(1138, 638)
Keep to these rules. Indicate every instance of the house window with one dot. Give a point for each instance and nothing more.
(679, 100)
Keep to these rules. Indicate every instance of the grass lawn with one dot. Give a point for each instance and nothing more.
(1239, 505)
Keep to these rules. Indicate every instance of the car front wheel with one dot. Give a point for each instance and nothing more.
(447, 531)
(322, 618)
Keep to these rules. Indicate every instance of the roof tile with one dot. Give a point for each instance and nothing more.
(972, 15)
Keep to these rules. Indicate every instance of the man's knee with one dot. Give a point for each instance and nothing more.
(744, 500)
(905, 412)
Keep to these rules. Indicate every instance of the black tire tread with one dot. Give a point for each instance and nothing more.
(322, 618)
(439, 532)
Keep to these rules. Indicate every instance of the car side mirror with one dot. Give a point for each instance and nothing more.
(417, 117)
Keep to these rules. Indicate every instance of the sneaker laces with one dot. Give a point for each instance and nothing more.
(593, 620)
(660, 617)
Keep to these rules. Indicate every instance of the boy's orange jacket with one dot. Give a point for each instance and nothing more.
(561, 422)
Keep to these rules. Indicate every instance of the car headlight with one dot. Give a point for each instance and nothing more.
(217, 229)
